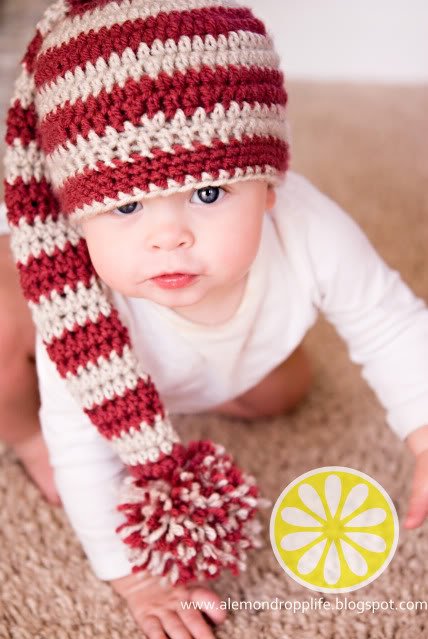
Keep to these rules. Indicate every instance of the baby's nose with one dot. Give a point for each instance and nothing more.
(170, 237)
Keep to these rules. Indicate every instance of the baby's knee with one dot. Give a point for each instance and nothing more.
(305, 373)
(300, 383)
(16, 325)
(17, 347)
(284, 388)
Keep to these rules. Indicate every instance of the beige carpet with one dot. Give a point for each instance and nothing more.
(366, 147)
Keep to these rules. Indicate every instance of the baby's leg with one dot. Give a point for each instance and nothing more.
(19, 394)
(277, 393)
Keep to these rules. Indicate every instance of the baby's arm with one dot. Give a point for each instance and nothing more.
(384, 324)
(87, 471)
(88, 474)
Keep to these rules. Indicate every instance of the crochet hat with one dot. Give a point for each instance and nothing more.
(118, 101)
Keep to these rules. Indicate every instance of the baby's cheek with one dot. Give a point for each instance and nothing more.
(232, 260)
(236, 257)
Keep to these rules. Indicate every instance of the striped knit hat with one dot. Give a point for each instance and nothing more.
(118, 101)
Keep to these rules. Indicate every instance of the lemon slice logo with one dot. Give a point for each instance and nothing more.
(334, 529)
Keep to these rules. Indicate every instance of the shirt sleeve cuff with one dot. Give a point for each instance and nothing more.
(408, 417)
(114, 566)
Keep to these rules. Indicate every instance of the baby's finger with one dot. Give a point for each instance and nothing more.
(201, 596)
(418, 507)
(174, 626)
(417, 512)
(195, 622)
(151, 626)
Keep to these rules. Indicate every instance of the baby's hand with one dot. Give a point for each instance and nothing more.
(158, 611)
(418, 508)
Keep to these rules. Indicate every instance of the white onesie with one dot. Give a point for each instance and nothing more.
(313, 257)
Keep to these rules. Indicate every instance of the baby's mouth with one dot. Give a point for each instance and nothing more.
(174, 280)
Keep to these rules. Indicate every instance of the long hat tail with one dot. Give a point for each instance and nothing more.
(189, 511)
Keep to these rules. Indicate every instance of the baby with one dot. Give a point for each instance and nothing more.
(160, 236)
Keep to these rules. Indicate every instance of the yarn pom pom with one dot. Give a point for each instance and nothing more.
(195, 520)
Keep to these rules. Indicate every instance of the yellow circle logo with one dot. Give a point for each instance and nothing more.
(334, 529)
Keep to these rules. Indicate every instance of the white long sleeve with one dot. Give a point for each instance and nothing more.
(384, 324)
(87, 471)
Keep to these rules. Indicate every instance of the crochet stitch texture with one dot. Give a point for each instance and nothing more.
(118, 101)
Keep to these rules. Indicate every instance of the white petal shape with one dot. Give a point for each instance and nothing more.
(356, 562)
(370, 517)
(333, 490)
(310, 559)
(332, 565)
(356, 497)
(296, 540)
(368, 541)
(298, 517)
(312, 500)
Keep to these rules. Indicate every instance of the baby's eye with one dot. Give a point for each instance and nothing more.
(127, 209)
(208, 194)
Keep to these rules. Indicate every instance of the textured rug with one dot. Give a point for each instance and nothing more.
(365, 146)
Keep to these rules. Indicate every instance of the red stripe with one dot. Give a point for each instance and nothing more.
(32, 50)
(27, 201)
(121, 413)
(96, 184)
(148, 96)
(88, 47)
(86, 343)
(43, 274)
(21, 123)
(165, 465)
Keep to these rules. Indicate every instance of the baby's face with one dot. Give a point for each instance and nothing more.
(213, 232)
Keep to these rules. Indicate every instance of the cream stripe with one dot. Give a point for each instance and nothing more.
(70, 161)
(24, 85)
(22, 161)
(53, 14)
(265, 172)
(112, 14)
(58, 314)
(146, 444)
(97, 382)
(243, 48)
(23, 88)
(29, 241)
